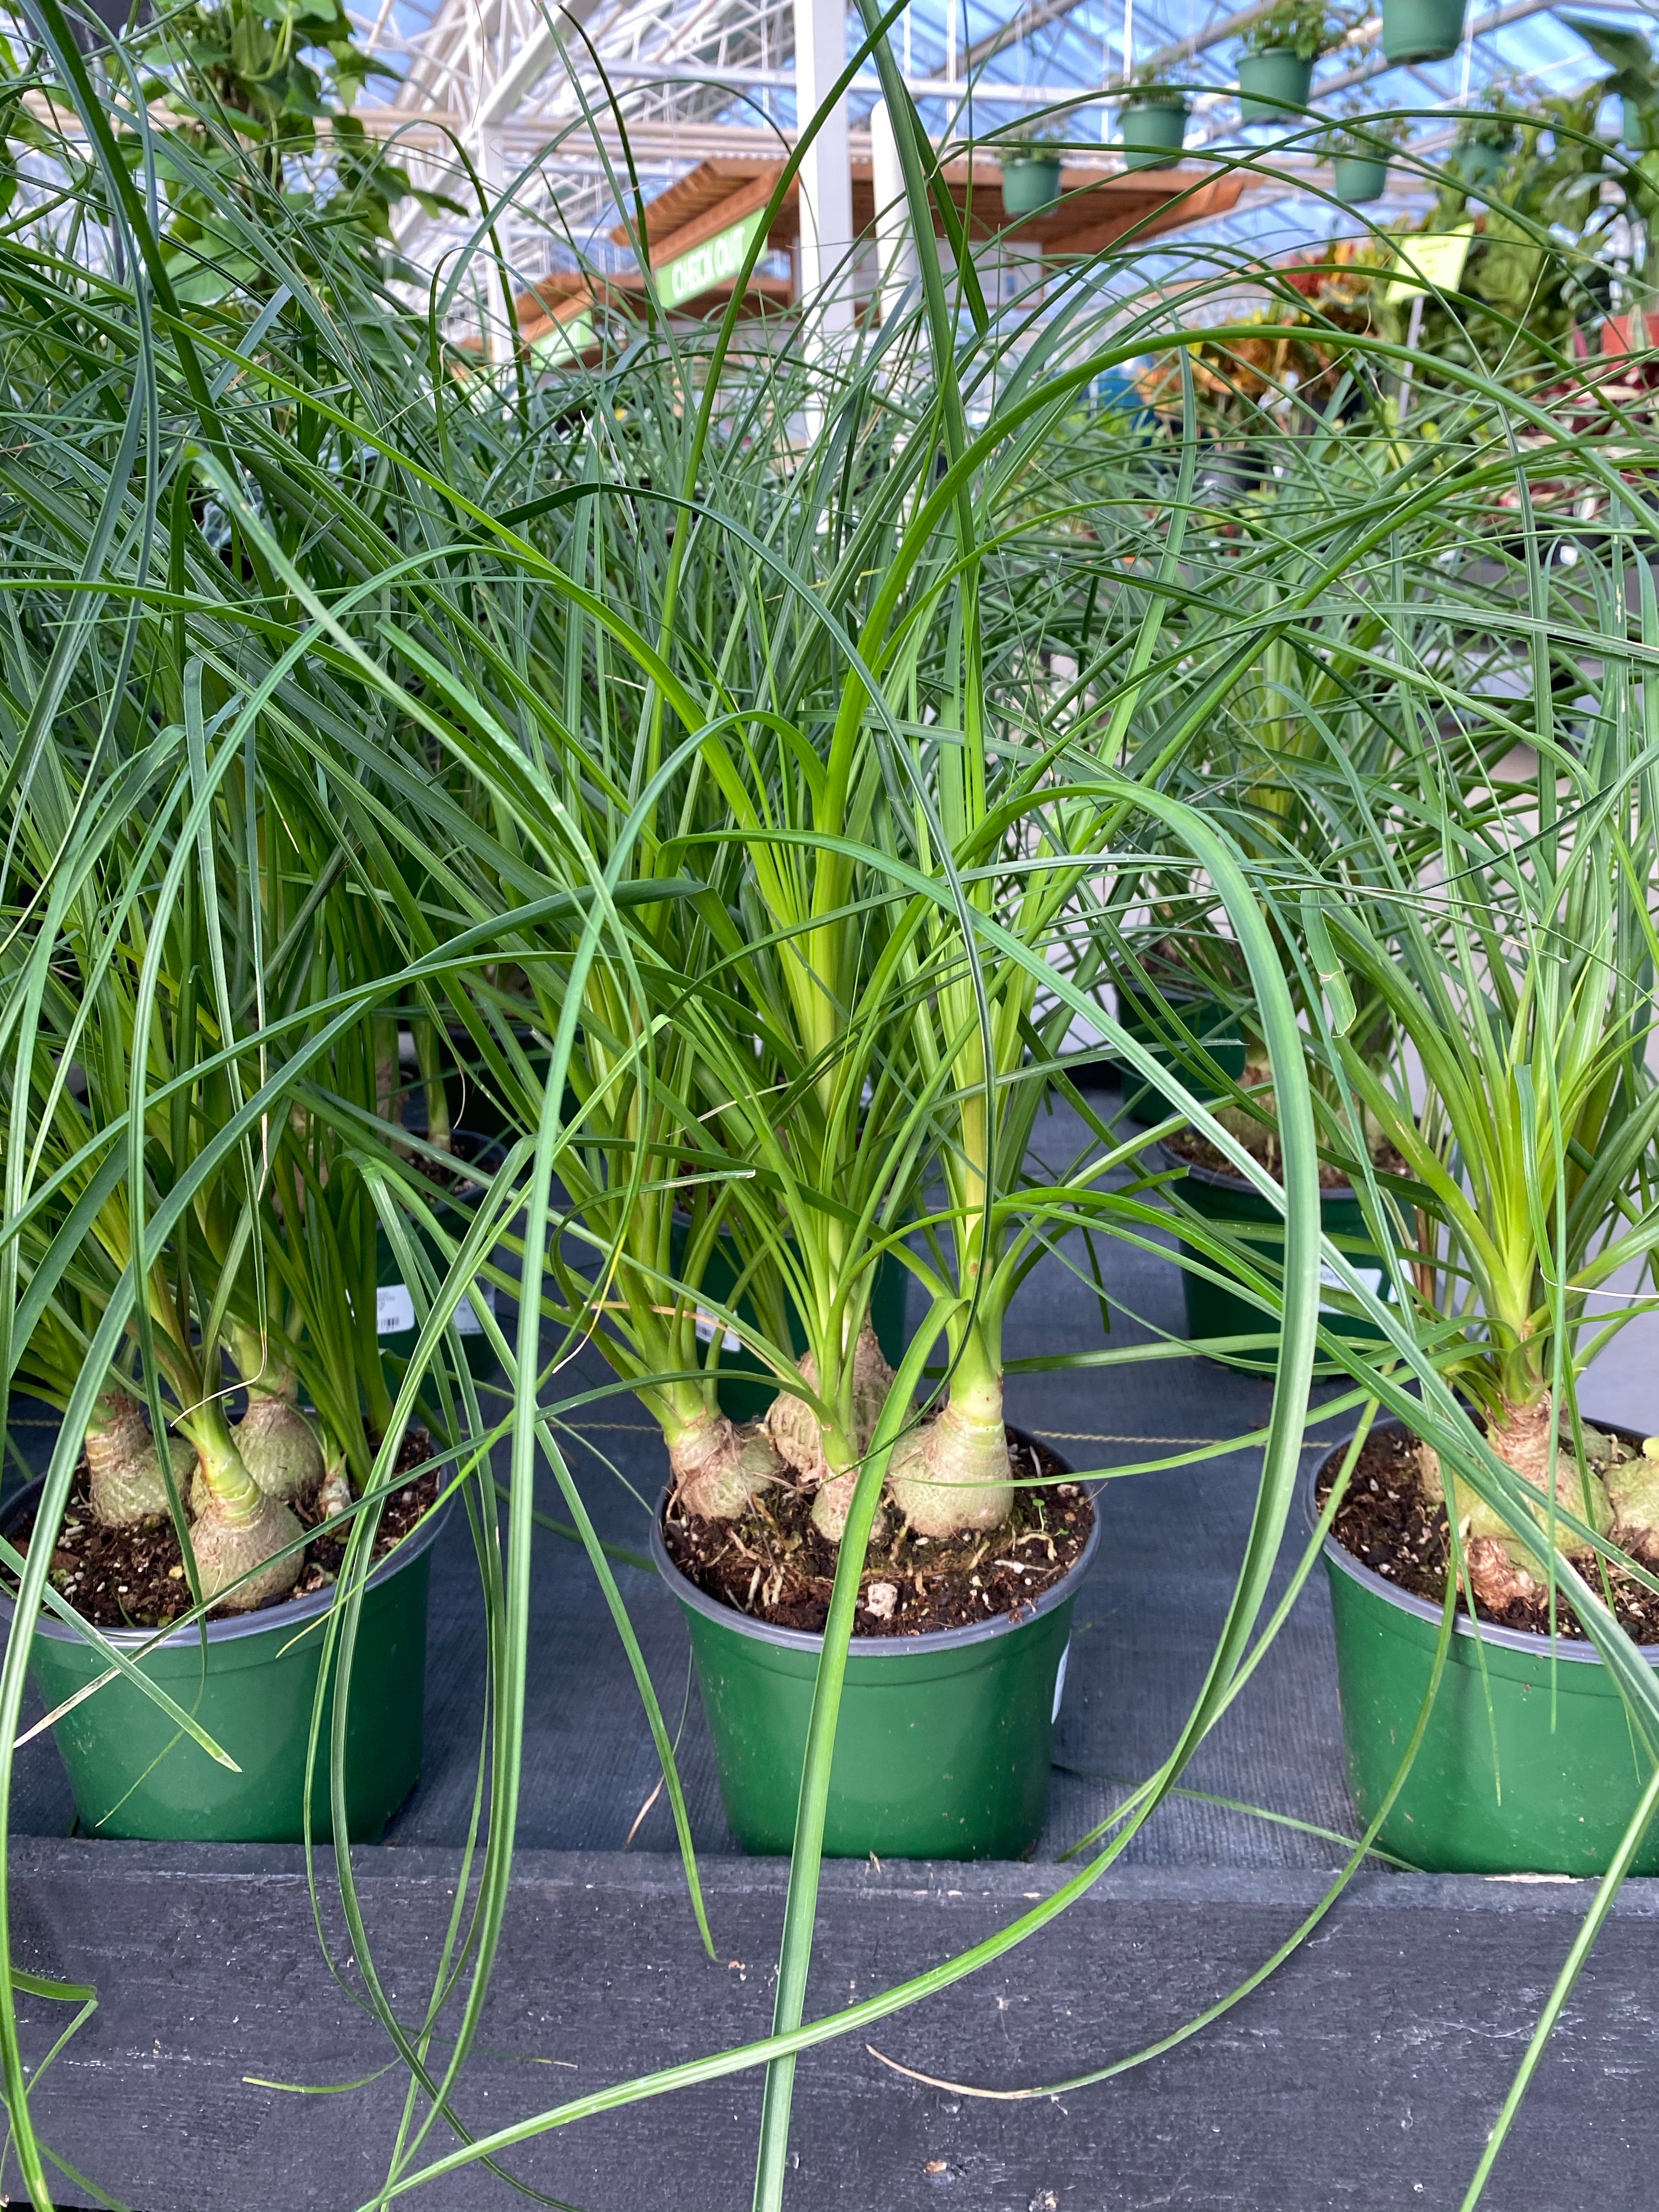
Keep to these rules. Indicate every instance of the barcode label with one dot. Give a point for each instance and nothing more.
(394, 1310)
(730, 1341)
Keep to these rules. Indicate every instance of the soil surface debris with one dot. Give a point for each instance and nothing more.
(1198, 1152)
(1391, 1527)
(773, 1565)
(134, 1577)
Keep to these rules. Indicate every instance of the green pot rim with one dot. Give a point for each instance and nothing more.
(870, 1647)
(1336, 1193)
(1337, 1555)
(295, 1613)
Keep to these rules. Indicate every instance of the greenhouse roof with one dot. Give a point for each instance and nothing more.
(525, 93)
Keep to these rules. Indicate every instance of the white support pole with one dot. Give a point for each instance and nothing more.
(501, 339)
(896, 246)
(826, 175)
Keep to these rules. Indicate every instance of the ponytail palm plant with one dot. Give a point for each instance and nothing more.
(118, 1004)
(174, 906)
(1519, 971)
(729, 765)
(815, 860)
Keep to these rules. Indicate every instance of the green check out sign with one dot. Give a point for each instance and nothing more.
(716, 261)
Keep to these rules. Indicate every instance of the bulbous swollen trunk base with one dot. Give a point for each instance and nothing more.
(335, 1495)
(1501, 1568)
(798, 1434)
(833, 1503)
(1632, 1481)
(228, 1544)
(718, 1468)
(953, 1475)
(278, 1446)
(124, 1464)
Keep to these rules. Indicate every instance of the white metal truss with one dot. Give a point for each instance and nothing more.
(536, 102)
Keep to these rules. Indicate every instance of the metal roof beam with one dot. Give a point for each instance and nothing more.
(1044, 12)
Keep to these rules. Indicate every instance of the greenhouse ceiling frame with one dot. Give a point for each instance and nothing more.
(522, 96)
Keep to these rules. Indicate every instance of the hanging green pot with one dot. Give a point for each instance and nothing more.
(1421, 30)
(1215, 1025)
(1272, 83)
(747, 1386)
(134, 1774)
(1359, 178)
(1152, 133)
(1529, 1764)
(1214, 1312)
(1029, 184)
(1476, 164)
(942, 1749)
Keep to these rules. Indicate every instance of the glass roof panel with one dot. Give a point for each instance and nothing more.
(715, 76)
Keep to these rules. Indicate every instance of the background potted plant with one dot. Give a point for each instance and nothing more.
(1152, 124)
(1634, 81)
(1358, 150)
(1484, 142)
(1421, 30)
(1523, 984)
(1277, 54)
(1031, 168)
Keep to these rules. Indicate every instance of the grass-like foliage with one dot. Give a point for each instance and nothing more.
(756, 762)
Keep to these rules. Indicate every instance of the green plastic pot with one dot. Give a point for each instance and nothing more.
(1152, 133)
(1421, 30)
(1029, 186)
(468, 1086)
(1214, 1312)
(1529, 1764)
(1476, 165)
(134, 1774)
(942, 1749)
(1359, 178)
(1272, 83)
(746, 1385)
(1207, 1018)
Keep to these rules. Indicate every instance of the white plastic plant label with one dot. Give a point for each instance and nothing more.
(1060, 1681)
(394, 1310)
(1376, 1280)
(730, 1341)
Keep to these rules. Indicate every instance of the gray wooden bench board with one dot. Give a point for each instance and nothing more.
(1366, 2076)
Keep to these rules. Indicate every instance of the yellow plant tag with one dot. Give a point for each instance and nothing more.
(1430, 260)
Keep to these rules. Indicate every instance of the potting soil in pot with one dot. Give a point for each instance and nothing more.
(773, 1565)
(133, 1576)
(1391, 1526)
(1188, 1144)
